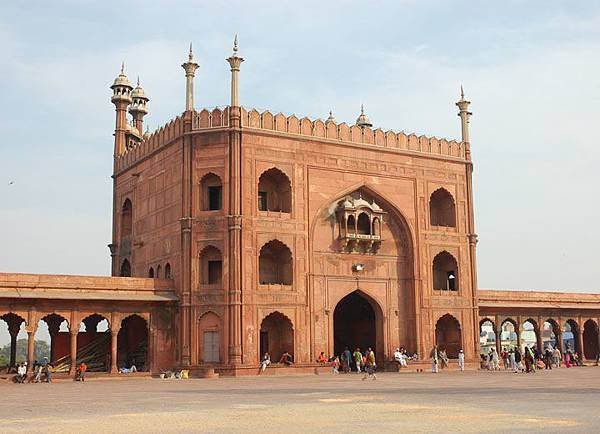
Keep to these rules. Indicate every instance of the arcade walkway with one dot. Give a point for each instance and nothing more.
(108, 322)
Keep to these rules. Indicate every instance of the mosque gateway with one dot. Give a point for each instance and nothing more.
(238, 232)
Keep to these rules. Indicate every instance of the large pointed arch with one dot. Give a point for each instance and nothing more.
(358, 323)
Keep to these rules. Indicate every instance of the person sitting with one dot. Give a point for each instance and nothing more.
(399, 358)
(265, 361)
(286, 359)
(322, 359)
(21, 373)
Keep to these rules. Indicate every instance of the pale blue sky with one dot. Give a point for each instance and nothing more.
(530, 68)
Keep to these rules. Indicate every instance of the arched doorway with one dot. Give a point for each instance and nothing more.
(487, 336)
(276, 336)
(93, 343)
(550, 334)
(508, 335)
(357, 322)
(570, 337)
(448, 335)
(132, 343)
(590, 339)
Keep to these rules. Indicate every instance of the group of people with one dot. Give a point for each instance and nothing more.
(286, 359)
(439, 359)
(530, 359)
(39, 369)
(347, 360)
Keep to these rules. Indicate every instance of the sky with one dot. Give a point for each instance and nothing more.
(530, 68)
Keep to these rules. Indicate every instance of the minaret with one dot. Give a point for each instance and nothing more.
(121, 99)
(138, 107)
(465, 114)
(235, 62)
(190, 71)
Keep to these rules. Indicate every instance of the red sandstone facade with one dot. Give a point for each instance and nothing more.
(283, 234)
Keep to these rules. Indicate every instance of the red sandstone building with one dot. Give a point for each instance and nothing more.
(250, 232)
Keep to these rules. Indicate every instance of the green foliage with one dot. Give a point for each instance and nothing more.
(42, 349)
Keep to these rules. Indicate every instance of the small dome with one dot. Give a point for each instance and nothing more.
(138, 92)
(360, 202)
(147, 134)
(347, 203)
(122, 79)
(375, 207)
(363, 120)
(330, 118)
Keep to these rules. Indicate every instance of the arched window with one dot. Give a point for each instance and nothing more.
(364, 224)
(274, 191)
(275, 264)
(211, 193)
(445, 272)
(126, 219)
(376, 227)
(168, 271)
(442, 211)
(151, 272)
(211, 266)
(158, 271)
(125, 269)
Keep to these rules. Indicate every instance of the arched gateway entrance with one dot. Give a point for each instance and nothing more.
(358, 322)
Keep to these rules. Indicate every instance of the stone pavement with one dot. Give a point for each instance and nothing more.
(562, 401)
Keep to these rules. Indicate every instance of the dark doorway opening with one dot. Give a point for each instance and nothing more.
(354, 324)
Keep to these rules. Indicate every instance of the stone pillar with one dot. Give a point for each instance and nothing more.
(190, 71)
(186, 222)
(580, 340)
(13, 331)
(74, 333)
(235, 215)
(498, 331)
(114, 335)
(30, 349)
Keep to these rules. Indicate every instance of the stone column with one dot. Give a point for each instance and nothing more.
(580, 339)
(74, 334)
(235, 215)
(30, 349)
(190, 71)
(13, 331)
(114, 334)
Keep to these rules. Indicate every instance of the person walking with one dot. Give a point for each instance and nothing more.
(357, 359)
(461, 360)
(80, 375)
(434, 356)
(346, 358)
(443, 358)
(335, 365)
(556, 357)
(512, 360)
(548, 358)
(370, 365)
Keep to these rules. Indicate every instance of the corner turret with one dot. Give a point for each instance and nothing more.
(138, 108)
(121, 98)
(363, 120)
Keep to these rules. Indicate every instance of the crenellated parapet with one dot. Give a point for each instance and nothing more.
(353, 134)
(150, 143)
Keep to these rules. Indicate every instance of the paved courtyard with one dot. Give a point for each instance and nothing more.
(563, 400)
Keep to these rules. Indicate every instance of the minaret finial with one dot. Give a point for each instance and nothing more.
(138, 81)
(235, 45)
(462, 92)
(191, 54)
(122, 67)
(362, 109)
